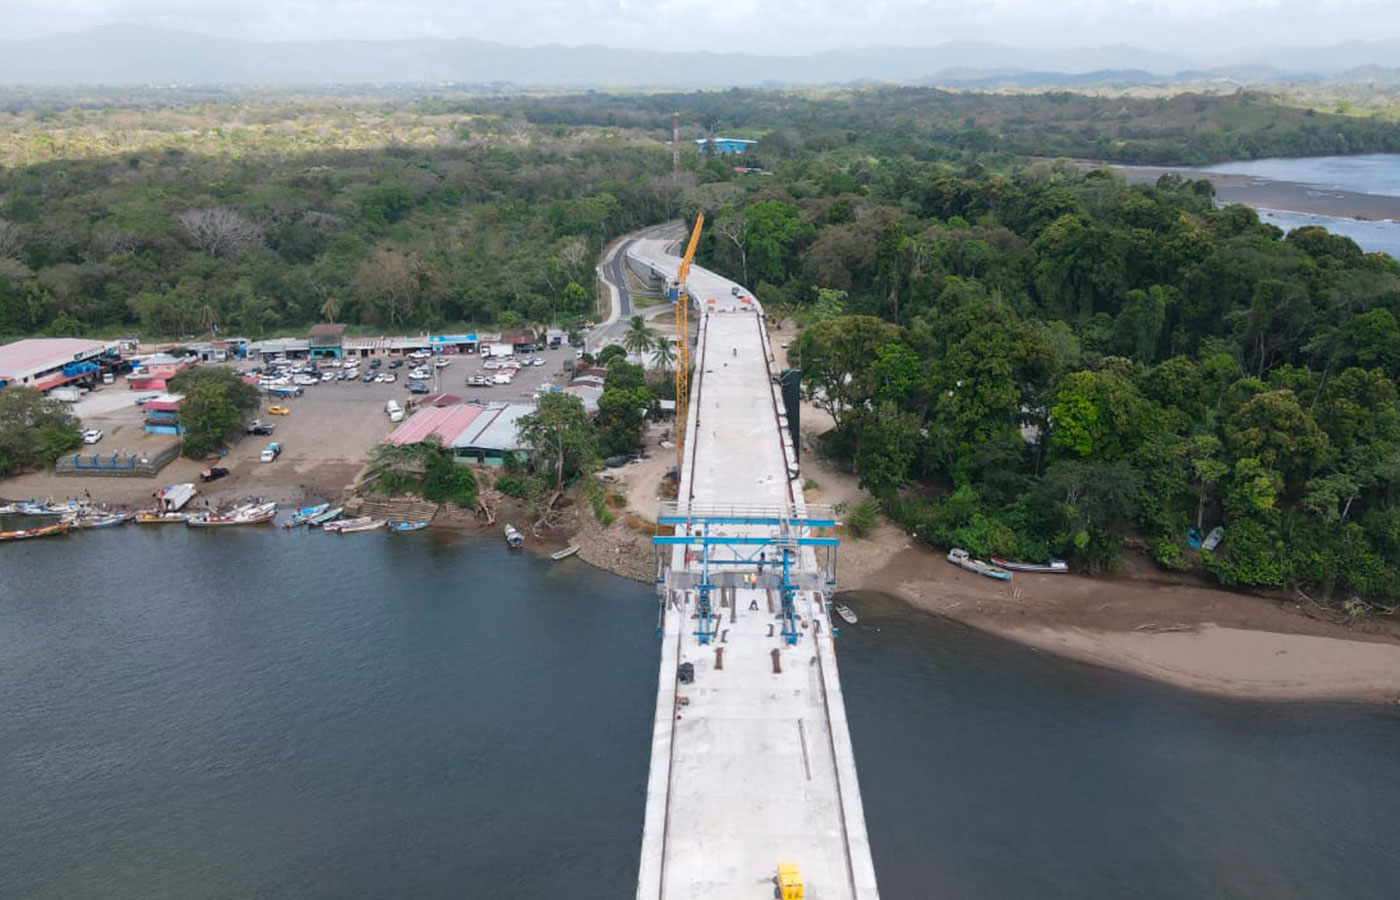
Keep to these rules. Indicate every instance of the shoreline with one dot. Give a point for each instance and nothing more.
(1264, 193)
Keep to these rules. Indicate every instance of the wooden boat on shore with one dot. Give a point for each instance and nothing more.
(1053, 567)
(565, 553)
(514, 539)
(327, 516)
(24, 534)
(159, 517)
(305, 514)
(252, 514)
(963, 560)
(362, 524)
(846, 613)
(407, 526)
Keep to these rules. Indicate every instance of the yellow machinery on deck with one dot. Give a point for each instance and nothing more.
(789, 882)
(681, 296)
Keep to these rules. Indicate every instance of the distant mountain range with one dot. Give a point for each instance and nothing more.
(124, 55)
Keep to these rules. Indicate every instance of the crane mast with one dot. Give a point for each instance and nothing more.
(680, 294)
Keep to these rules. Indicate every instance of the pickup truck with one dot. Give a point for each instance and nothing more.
(271, 452)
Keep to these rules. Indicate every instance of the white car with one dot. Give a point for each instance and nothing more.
(389, 377)
(327, 376)
(92, 435)
(420, 374)
(441, 363)
(538, 361)
(490, 364)
(504, 378)
(306, 380)
(333, 363)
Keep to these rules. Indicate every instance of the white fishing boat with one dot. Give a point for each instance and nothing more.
(565, 553)
(362, 524)
(846, 613)
(248, 514)
(514, 539)
(1053, 567)
(336, 526)
(102, 520)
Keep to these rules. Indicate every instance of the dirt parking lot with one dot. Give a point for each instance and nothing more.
(325, 438)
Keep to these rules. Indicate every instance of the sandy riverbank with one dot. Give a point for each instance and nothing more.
(1263, 193)
(1144, 621)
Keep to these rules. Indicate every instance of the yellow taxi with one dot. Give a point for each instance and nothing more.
(277, 410)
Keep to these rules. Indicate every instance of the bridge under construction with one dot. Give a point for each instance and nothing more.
(751, 762)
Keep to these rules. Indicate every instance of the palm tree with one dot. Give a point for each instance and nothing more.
(663, 355)
(638, 338)
(330, 309)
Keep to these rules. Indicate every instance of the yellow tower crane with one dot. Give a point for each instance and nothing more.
(680, 295)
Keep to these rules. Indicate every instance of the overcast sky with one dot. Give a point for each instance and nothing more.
(769, 26)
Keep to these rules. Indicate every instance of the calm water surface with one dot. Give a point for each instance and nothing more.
(246, 713)
(1367, 173)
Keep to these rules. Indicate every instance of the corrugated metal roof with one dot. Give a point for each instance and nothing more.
(447, 422)
(496, 429)
(31, 355)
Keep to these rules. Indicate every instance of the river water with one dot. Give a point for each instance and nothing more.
(245, 713)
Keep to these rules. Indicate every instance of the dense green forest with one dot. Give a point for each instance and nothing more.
(1050, 362)
(1021, 357)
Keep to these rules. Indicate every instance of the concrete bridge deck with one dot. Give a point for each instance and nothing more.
(752, 762)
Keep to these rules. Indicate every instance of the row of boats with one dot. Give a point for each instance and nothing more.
(1002, 569)
(78, 516)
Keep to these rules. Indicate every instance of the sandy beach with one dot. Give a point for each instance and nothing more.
(1263, 193)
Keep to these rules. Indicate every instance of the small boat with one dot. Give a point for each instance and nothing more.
(362, 524)
(963, 560)
(407, 526)
(159, 517)
(514, 539)
(102, 520)
(41, 531)
(249, 514)
(1213, 538)
(1053, 567)
(325, 517)
(565, 553)
(345, 523)
(305, 514)
(846, 613)
(9, 509)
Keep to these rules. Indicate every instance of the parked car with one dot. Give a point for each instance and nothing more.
(92, 435)
(261, 428)
(537, 361)
(376, 363)
(441, 363)
(390, 377)
(368, 377)
(278, 411)
(213, 474)
(418, 387)
(491, 364)
(395, 363)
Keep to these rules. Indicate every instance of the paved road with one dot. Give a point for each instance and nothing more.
(613, 271)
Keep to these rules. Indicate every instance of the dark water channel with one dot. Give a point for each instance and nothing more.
(250, 714)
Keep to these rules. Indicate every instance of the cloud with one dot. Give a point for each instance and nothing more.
(770, 26)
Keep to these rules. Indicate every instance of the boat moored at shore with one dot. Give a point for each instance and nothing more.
(248, 514)
(23, 534)
(963, 560)
(1053, 567)
(514, 539)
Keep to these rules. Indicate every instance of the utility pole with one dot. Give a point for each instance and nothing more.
(675, 143)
